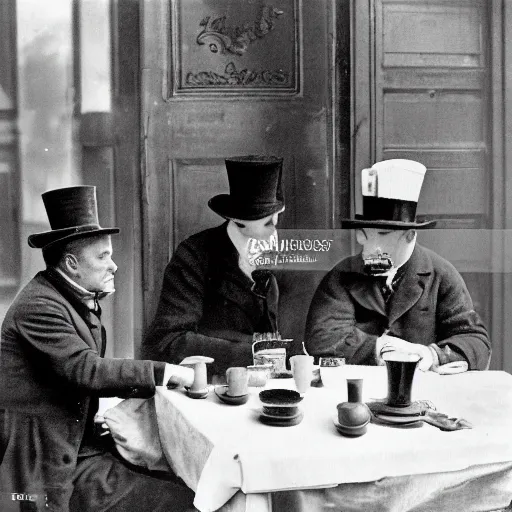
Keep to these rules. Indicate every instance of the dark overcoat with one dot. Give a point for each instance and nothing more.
(430, 306)
(207, 305)
(51, 375)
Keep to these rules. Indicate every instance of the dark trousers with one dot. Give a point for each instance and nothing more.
(102, 482)
(105, 483)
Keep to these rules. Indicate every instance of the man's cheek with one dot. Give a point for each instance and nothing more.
(262, 234)
(371, 248)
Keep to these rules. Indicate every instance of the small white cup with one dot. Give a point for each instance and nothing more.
(237, 378)
(200, 377)
(302, 370)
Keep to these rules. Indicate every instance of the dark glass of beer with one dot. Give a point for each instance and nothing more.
(401, 368)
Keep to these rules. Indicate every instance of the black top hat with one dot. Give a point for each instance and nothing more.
(73, 213)
(391, 189)
(254, 188)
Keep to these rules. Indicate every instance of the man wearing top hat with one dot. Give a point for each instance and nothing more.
(53, 371)
(213, 298)
(395, 295)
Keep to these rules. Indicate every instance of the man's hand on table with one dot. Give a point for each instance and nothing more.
(386, 344)
(178, 376)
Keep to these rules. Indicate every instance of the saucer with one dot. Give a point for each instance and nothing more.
(348, 431)
(415, 408)
(200, 393)
(221, 392)
(280, 412)
(281, 422)
(397, 421)
(287, 417)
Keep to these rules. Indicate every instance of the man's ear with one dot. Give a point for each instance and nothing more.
(361, 236)
(71, 263)
(410, 235)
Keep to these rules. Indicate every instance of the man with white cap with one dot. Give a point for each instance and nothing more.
(395, 295)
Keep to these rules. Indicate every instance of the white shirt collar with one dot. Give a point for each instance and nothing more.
(87, 297)
(81, 289)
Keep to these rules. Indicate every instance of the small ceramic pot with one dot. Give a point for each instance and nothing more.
(354, 415)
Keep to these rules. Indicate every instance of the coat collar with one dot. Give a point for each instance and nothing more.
(365, 289)
(91, 319)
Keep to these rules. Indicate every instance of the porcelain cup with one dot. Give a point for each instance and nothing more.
(237, 378)
(200, 377)
(302, 370)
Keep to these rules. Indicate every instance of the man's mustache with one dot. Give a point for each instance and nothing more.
(379, 263)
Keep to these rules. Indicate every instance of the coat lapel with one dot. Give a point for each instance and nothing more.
(367, 293)
(412, 285)
(232, 283)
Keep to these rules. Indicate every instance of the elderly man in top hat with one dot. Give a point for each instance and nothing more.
(395, 295)
(213, 298)
(53, 370)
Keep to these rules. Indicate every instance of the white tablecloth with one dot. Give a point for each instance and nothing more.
(219, 449)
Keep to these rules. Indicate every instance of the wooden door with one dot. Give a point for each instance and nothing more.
(223, 78)
(423, 90)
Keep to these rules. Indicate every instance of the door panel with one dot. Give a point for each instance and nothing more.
(222, 78)
(446, 34)
(194, 182)
(447, 119)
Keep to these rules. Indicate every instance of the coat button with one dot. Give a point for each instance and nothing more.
(66, 458)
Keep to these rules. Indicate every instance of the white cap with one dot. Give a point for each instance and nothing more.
(394, 179)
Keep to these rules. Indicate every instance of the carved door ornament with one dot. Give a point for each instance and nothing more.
(232, 47)
(219, 36)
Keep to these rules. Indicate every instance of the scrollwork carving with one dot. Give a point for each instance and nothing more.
(221, 38)
(234, 77)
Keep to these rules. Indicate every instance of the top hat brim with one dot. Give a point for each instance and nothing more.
(389, 224)
(49, 238)
(224, 206)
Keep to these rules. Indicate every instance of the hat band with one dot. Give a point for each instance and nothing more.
(41, 240)
(383, 208)
(254, 204)
(85, 228)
